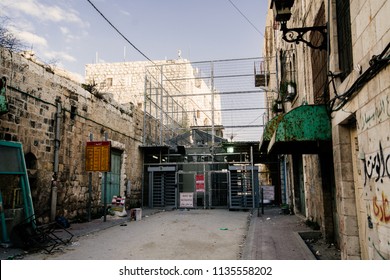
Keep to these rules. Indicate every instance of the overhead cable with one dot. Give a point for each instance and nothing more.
(258, 31)
(120, 33)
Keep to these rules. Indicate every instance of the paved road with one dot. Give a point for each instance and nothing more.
(181, 234)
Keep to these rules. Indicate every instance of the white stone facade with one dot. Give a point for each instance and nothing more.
(125, 82)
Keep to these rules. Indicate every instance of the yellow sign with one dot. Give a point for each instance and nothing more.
(97, 156)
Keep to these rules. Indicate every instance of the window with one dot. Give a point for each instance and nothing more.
(109, 82)
(344, 37)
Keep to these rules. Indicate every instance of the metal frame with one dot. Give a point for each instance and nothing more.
(209, 188)
(295, 35)
(24, 183)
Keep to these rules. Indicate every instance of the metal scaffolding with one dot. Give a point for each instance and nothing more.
(180, 94)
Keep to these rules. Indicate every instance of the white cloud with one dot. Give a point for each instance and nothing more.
(53, 55)
(126, 13)
(43, 11)
(29, 38)
(64, 30)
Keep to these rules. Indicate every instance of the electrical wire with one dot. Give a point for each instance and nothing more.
(120, 33)
(377, 63)
(258, 31)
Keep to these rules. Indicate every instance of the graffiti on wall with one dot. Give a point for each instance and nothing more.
(381, 110)
(382, 208)
(377, 166)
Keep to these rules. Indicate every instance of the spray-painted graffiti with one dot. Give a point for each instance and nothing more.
(382, 109)
(382, 209)
(377, 166)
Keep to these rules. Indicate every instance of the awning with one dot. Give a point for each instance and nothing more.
(268, 132)
(303, 130)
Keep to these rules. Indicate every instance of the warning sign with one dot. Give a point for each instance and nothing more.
(199, 182)
(187, 199)
(268, 192)
(97, 156)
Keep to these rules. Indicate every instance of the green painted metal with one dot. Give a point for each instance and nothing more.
(269, 131)
(3, 98)
(4, 232)
(13, 163)
(305, 123)
(302, 130)
(113, 177)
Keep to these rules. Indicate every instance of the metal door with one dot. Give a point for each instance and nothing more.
(243, 187)
(186, 183)
(162, 186)
(113, 177)
(299, 185)
(218, 188)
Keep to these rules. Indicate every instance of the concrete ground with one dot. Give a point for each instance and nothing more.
(180, 234)
(187, 234)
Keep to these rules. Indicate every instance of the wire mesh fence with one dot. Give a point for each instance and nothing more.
(222, 93)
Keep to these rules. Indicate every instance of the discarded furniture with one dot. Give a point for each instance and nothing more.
(31, 234)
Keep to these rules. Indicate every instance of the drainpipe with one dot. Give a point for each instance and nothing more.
(57, 141)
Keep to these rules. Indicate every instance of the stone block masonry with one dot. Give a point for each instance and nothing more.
(33, 94)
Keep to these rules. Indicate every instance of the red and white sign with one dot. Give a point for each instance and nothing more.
(199, 182)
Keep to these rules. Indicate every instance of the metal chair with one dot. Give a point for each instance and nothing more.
(31, 234)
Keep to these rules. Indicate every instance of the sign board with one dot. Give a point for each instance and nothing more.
(199, 182)
(97, 156)
(186, 199)
(268, 192)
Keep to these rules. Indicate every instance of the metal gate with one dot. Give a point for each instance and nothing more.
(186, 184)
(243, 187)
(218, 188)
(162, 186)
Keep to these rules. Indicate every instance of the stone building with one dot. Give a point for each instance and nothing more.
(53, 117)
(330, 125)
(135, 82)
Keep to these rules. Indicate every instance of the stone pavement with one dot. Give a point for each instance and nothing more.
(271, 236)
(274, 236)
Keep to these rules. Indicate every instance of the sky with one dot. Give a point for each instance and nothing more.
(70, 34)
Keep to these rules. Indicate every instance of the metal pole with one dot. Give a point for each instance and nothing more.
(262, 201)
(253, 178)
(161, 105)
(145, 98)
(105, 187)
(5, 239)
(212, 112)
(90, 187)
(53, 206)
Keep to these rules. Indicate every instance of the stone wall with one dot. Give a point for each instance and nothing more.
(33, 93)
(361, 139)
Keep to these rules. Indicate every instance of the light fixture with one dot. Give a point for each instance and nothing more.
(282, 14)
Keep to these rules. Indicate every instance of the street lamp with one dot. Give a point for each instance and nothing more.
(282, 14)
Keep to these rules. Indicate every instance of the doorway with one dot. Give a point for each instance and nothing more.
(113, 177)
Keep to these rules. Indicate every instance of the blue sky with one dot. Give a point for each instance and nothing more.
(71, 33)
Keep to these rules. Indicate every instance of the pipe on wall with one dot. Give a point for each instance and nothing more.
(57, 141)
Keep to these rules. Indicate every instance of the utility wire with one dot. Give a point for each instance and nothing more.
(258, 31)
(120, 33)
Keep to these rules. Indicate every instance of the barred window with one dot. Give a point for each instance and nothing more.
(344, 37)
